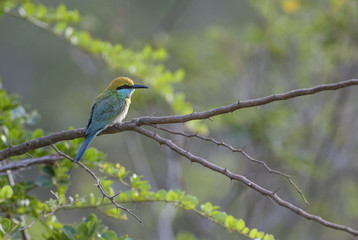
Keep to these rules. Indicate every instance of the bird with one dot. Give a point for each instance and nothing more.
(109, 107)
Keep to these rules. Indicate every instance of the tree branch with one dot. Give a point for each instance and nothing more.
(28, 162)
(232, 176)
(130, 125)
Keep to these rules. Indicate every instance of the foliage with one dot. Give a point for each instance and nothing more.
(287, 44)
(15, 200)
(88, 229)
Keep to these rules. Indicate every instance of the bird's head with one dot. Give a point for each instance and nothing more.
(124, 86)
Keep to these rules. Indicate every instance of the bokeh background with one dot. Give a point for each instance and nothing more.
(229, 50)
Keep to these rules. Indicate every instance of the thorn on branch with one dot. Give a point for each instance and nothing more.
(274, 192)
(271, 200)
(210, 119)
(243, 148)
(174, 141)
(115, 195)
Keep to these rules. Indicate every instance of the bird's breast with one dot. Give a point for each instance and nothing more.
(123, 112)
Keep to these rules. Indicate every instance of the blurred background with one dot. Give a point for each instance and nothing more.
(229, 50)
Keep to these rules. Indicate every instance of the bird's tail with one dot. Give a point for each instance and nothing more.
(81, 151)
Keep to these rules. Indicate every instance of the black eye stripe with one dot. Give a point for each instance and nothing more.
(124, 87)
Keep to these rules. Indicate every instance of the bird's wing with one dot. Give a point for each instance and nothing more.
(103, 112)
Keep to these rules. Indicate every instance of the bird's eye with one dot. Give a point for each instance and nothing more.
(123, 87)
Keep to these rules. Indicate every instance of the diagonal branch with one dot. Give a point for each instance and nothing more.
(98, 184)
(129, 125)
(268, 193)
(231, 148)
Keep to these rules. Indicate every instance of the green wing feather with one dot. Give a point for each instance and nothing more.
(105, 109)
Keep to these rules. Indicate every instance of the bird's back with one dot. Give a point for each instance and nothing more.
(105, 109)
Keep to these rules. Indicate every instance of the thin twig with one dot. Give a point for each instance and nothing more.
(232, 176)
(231, 148)
(50, 214)
(98, 184)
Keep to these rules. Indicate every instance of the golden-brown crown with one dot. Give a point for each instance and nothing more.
(120, 81)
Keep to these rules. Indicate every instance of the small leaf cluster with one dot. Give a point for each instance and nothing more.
(90, 229)
(231, 223)
(49, 15)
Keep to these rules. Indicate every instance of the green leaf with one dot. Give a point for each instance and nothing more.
(219, 216)
(172, 196)
(161, 195)
(61, 11)
(229, 222)
(246, 230)
(260, 235)
(125, 237)
(41, 11)
(6, 192)
(27, 8)
(190, 202)
(91, 154)
(268, 237)
(207, 207)
(253, 233)
(109, 235)
(60, 27)
(92, 224)
(185, 236)
(70, 232)
(82, 230)
(240, 224)
(6, 225)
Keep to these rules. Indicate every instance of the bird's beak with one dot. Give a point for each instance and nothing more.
(139, 86)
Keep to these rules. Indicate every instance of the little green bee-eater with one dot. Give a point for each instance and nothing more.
(110, 107)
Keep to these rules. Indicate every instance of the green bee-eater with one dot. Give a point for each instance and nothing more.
(111, 106)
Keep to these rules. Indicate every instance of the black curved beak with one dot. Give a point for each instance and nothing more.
(139, 86)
